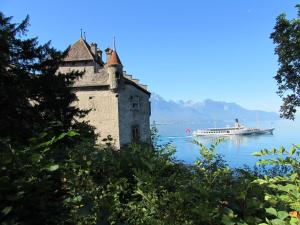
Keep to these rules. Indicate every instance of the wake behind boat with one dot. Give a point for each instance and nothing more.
(238, 129)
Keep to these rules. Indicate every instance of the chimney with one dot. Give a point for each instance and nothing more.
(94, 48)
(99, 53)
(108, 52)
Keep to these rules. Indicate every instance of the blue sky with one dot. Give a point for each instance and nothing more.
(189, 50)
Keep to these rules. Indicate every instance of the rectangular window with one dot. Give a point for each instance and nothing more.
(135, 102)
(135, 133)
(118, 75)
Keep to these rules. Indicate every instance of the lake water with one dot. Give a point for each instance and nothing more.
(236, 150)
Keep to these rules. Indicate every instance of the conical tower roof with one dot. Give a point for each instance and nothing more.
(114, 59)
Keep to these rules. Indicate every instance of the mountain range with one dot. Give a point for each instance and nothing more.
(163, 111)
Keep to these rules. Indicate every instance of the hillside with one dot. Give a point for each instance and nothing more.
(164, 111)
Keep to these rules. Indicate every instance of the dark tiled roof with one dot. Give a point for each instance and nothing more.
(80, 51)
(114, 59)
(140, 87)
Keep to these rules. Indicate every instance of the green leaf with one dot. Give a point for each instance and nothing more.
(77, 199)
(227, 219)
(282, 215)
(295, 205)
(256, 154)
(297, 146)
(294, 176)
(285, 198)
(281, 150)
(260, 181)
(52, 167)
(294, 221)
(61, 136)
(6, 210)
(277, 222)
(72, 133)
(268, 197)
(36, 157)
(292, 150)
(271, 211)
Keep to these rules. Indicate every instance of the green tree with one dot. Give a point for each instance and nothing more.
(286, 37)
(44, 162)
(32, 96)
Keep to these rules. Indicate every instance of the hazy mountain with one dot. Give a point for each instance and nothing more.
(164, 111)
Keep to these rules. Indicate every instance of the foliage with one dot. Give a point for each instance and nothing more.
(41, 154)
(51, 172)
(32, 95)
(139, 185)
(283, 195)
(286, 36)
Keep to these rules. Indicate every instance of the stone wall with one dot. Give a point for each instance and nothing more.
(93, 74)
(104, 112)
(111, 102)
(129, 116)
(89, 67)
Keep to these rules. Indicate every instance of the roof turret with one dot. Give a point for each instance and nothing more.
(114, 59)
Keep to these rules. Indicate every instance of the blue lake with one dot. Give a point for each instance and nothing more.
(236, 150)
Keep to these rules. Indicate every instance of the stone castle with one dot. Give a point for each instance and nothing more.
(119, 105)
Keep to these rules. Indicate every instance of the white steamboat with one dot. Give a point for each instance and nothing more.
(238, 129)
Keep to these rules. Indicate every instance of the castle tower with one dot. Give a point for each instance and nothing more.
(118, 104)
(114, 69)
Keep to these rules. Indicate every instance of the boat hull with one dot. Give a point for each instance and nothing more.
(222, 132)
